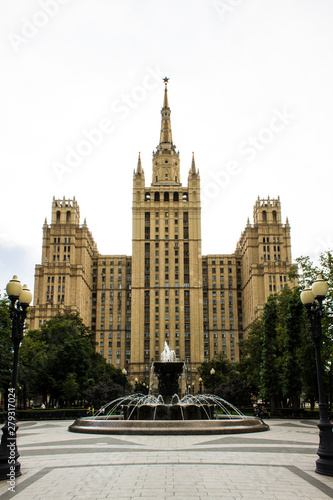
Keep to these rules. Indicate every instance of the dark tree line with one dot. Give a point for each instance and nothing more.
(58, 362)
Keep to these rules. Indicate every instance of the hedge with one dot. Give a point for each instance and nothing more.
(48, 414)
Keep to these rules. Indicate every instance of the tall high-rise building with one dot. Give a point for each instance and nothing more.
(167, 291)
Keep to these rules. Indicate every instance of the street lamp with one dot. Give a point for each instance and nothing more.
(212, 373)
(124, 372)
(193, 385)
(200, 385)
(330, 382)
(20, 298)
(136, 380)
(313, 301)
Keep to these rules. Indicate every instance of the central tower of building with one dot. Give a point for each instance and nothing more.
(166, 259)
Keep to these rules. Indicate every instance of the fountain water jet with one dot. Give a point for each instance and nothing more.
(168, 413)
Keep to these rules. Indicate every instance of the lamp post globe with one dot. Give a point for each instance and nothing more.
(14, 288)
(212, 373)
(124, 372)
(25, 296)
(319, 288)
(307, 296)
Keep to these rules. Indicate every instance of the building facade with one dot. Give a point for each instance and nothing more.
(167, 291)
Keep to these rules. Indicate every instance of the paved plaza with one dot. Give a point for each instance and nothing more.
(276, 464)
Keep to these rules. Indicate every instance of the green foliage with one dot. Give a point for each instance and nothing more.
(308, 273)
(60, 359)
(269, 384)
(70, 388)
(104, 392)
(249, 366)
(293, 324)
(223, 368)
(278, 353)
(226, 382)
(236, 391)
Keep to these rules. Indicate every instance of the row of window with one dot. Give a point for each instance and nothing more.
(57, 240)
(204, 271)
(50, 288)
(49, 298)
(57, 248)
(276, 257)
(66, 258)
(120, 279)
(166, 214)
(103, 263)
(275, 248)
(61, 279)
(167, 196)
(213, 263)
(276, 239)
(282, 279)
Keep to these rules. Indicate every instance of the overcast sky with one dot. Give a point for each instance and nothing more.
(250, 91)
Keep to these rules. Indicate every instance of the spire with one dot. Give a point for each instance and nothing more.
(166, 158)
(139, 167)
(166, 103)
(193, 169)
(166, 135)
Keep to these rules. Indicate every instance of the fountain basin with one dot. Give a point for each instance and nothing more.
(107, 425)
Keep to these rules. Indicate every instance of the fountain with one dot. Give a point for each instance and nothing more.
(167, 413)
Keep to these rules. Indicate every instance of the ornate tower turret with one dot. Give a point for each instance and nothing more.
(165, 158)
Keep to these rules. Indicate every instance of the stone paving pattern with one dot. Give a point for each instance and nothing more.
(276, 464)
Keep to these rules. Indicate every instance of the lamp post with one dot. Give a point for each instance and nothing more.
(20, 298)
(124, 372)
(313, 302)
(136, 380)
(330, 381)
(200, 385)
(193, 386)
(212, 373)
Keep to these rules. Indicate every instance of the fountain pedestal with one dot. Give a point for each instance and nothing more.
(168, 374)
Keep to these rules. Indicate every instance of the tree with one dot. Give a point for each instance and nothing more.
(236, 391)
(61, 352)
(270, 387)
(251, 347)
(70, 388)
(104, 392)
(293, 323)
(33, 376)
(222, 367)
